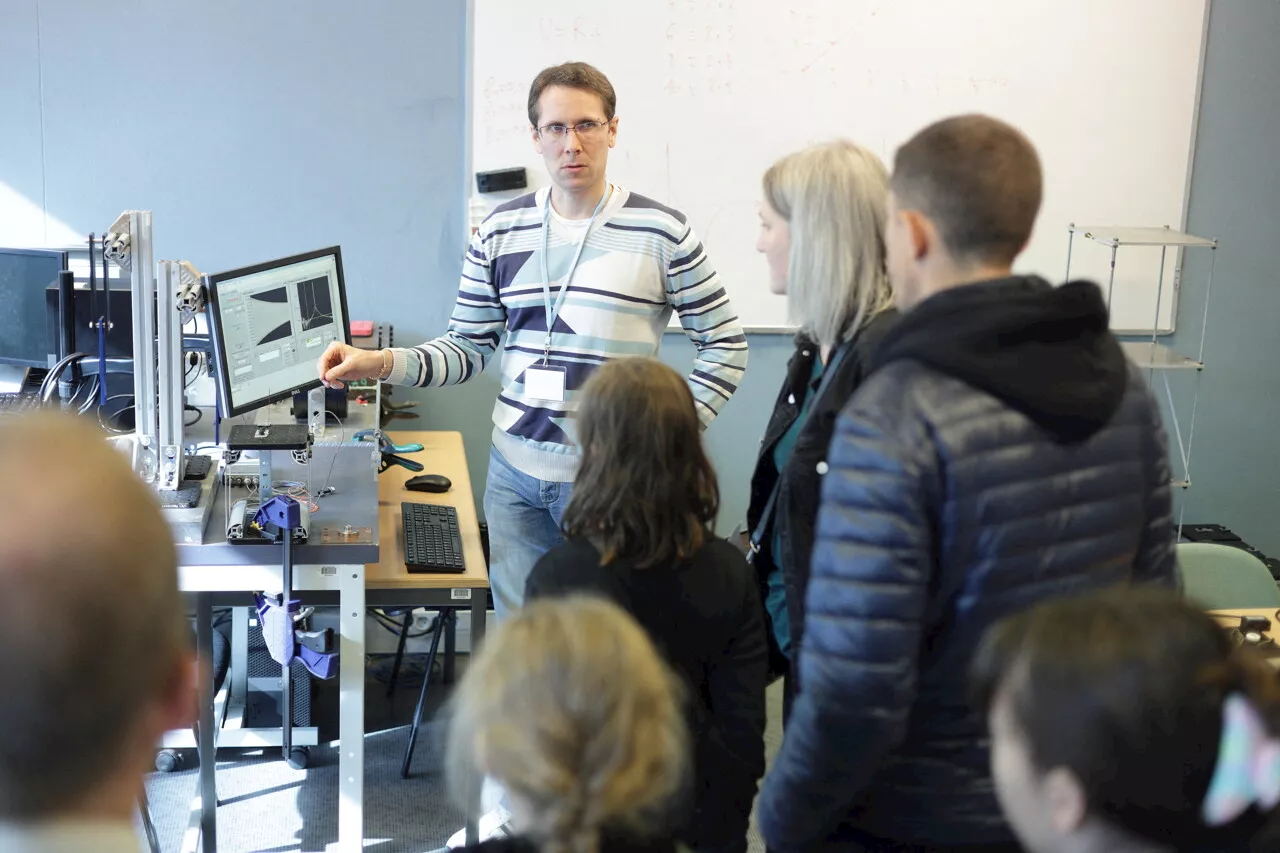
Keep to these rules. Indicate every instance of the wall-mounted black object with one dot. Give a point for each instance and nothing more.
(1220, 535)
(66, 319)
(502, 179)
(1208, 533)
(119, 337)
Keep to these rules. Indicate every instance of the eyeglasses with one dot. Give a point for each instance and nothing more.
(584, 129)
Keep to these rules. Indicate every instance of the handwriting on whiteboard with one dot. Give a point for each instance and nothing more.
(712, 87)
(701, 33)
(501, 111)
(702, 52)
(561, 28)
(693, 7)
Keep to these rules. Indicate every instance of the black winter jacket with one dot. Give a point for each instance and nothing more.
(1002, 452)
(796, 508)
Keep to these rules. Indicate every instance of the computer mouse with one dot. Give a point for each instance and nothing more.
(429, 483)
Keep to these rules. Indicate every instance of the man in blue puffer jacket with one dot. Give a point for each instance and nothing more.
(1003, 451)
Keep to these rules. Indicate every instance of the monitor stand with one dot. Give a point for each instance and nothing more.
(12, 378)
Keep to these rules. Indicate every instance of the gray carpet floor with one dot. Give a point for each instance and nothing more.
(266, 807)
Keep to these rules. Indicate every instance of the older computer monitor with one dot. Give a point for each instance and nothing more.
(270, 323)
(24, 276)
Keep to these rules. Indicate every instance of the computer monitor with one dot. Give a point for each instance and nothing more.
(271, 322)
(24, 275)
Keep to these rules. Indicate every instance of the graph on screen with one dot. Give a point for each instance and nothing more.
(315, 303)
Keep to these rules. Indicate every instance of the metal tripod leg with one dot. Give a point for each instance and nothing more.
(148, 826)
(395, 667)
(436, 634)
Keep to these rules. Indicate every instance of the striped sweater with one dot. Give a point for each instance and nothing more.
(641, 261)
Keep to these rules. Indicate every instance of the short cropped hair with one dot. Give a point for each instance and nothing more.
(573, 75)
(833, 198)
(1125, 688)
(978, 179)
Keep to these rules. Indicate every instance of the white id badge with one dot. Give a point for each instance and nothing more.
(545, 383)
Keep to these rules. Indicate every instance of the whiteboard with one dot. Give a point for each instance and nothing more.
(711, 92)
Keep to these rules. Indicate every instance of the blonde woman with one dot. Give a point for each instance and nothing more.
(570, 708)
(822, 232)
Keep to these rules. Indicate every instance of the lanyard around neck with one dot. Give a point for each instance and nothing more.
(553, 311)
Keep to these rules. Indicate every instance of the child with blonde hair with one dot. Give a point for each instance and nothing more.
(571, 709)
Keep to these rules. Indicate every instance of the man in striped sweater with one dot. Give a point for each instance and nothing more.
(576, 274)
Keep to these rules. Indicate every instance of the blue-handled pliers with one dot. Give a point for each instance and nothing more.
(390, 451)
(385, 443)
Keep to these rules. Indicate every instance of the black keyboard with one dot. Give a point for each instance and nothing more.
(431, 539)
(12, 404)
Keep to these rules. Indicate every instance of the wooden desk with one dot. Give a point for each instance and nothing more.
(442, 454)
(1231, 619)
(388, 581)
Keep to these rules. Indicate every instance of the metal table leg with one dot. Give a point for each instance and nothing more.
(206, 724)
(239, 673)
(479, 599)
(351, 709)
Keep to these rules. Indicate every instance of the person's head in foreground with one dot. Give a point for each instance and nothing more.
(96, 662)
(963, 201)
(822, 232)
(645, 489)
(569, 707)
(1129, 720)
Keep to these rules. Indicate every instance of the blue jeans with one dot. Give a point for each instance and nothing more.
(524, 516)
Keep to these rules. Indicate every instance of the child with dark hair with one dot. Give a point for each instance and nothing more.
(1128, 720)
(639, 533)
(596, 754)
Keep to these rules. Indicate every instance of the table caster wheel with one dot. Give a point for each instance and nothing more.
(298, 758)
(168, 760)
